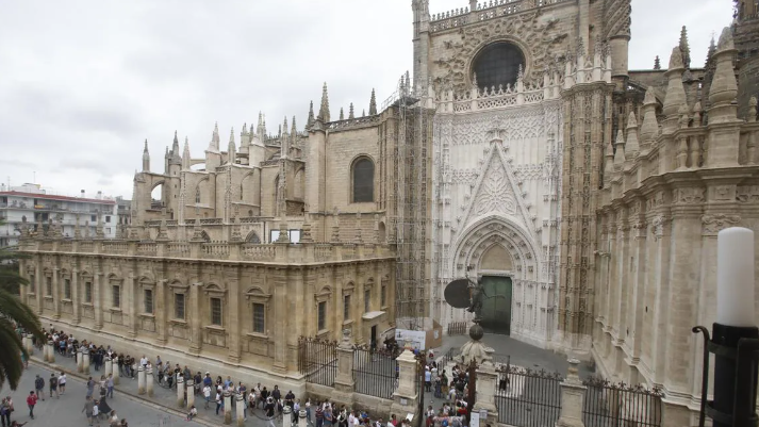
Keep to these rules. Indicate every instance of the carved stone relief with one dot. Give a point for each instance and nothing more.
(714, 223)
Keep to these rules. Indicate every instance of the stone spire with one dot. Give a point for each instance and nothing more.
(657, 63)
(710, 53)
(650, 127)
(294, 129)
(244, 128)
(311, 120)
(752, 103)
(363, 113)
(684, 47)
(231, 150)
(260, 126)
(351, 114)
(186, 155)
(145, 158)
(174, 157)
(285, 127)
(675, 92)
(214, 145)
(632, 145)
(324, 109)
(619, 153)
(724, 87)
(373, 104)
(342, 114)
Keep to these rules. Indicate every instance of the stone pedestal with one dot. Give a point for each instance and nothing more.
(180, 391)
(572, 395)
(140, 380)
(50, 350)
(190, 387)
(240, 409)
(85, 361)
(115, 370)
(487, 383)
(80, 360)
(302, 420)
(149, 380)
(108, 366)
(344, 384)
(287, 416)
(227, 407)
(405, 396)
(28, 345)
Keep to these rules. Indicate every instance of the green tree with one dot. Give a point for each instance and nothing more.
(14, 313)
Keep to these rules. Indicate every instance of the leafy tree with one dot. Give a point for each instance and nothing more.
(14, 313)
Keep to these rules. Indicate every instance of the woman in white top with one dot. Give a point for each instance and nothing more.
(62, 383)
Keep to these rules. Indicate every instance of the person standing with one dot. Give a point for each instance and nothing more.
(269, 411)
(109, 386)
(88, 410)
(90, 387)
(31, 400)
(5, 413)
(62, 383)
(54, 386)
(39, 387)
(207, 395)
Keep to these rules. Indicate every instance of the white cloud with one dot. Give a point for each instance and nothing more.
(84, 83)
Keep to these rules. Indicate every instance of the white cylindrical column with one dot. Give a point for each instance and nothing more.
(140, 380)
(115, 370)
(287, 416)
(240, 409)
(50, 352)
(149, 380)
(190, 392)
(85, 361)
(302, 420)
(735, 277)
(108, 366)
(79, 360)
(180, 391)
(227, 407)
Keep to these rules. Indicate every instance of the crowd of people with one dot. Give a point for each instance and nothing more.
(454, 411)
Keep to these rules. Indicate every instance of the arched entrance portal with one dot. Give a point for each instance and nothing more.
(495, 266)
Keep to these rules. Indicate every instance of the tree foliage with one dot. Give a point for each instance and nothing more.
(14, 314)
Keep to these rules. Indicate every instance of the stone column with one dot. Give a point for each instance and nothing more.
(240, 409)
(227, 407)
(115, 370)
(302, 420)
(140, 380)
(233, 303)
(180, 391)
(149, 380)
(97, 304)
(50, 349)
(190, 387)
(75, 296)
(56, 294)
(287, 416)
(108, 366)
(344, 384)
(162, 328)
(487, 381)
(38, 291)
(85, 360)
(195, 326)
(572, 394)
(405, 396)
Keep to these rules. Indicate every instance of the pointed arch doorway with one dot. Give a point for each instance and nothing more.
(495, 271)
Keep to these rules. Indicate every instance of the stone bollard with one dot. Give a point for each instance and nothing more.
(572, 396)
(29, 344)
(86, 361)
(190, 392)
(149, 380)
(140, 380)
(44, 352)
(302, 420)
(108, 366)
(79, 360)
(227, 407)
(240, 409)
(287, 416)
(25, 344)
(116, 372)
(50, 349)
(180, 391)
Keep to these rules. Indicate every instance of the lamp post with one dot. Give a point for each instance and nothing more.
(735, 337)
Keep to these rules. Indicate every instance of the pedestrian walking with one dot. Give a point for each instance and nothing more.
(90, 387)
(31, 400)
(88, 409)
(5, 413)
(39, 387)
(62, 383)
(54, 386)
(109, 386)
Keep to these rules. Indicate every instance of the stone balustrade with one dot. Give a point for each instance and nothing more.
(485, 10)
(303, 253)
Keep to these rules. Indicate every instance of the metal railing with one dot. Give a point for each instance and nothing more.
(610, 404)
(457, 328)
(317, 360)
(375, 373)
(528, 398)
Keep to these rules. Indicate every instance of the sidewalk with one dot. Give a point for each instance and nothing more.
(163, 398)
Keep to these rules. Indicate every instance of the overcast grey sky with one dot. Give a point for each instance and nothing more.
(84, 82)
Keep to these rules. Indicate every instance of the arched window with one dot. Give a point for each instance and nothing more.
(498, 64)
(363, 180)
(197, 195)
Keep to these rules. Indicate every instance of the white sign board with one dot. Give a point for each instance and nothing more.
(474, 419)
(416, 338)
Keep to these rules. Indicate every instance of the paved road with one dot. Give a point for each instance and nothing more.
(66, 410)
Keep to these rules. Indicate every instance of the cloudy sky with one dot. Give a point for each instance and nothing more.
(83, 83)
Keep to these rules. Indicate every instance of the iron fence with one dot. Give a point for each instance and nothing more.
(317, 360)
(375, 373)
(528, 398)
(610, 404)
(457, 328)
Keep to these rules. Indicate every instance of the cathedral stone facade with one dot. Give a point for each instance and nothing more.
(522, 152)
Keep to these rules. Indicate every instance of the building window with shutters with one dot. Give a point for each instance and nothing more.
(346, 308)
(148, 298)
(259, 318)
(48, 286)
(362, 180)
(67, 289)
(367, 300)
(321, 320)
(88, 292)
(216, 311)
(179, 306)
(116, 294)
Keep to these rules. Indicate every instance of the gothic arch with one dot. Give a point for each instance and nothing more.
(253, 238)
(480, 236)
(362, 177)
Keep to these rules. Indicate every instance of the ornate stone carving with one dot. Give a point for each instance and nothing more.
(721, 192)
(748, 193)
(714, 223)
(657, 226)
(495, 193)
(689, 196)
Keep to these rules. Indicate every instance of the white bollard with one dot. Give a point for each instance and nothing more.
(287, 416)
(116, 370)
(190, 392)
(85, 361)
(302, 420)
(79, 360)
(240, 409)
(108, 366)
(227, 407)
(140, 380)
(180, 391)
(50, 352)
(149, 380)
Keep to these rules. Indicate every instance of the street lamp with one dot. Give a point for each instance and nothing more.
(735, 337)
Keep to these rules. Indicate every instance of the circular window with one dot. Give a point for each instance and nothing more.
(498, 64)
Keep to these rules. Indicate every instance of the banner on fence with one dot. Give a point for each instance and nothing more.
(418, 339)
